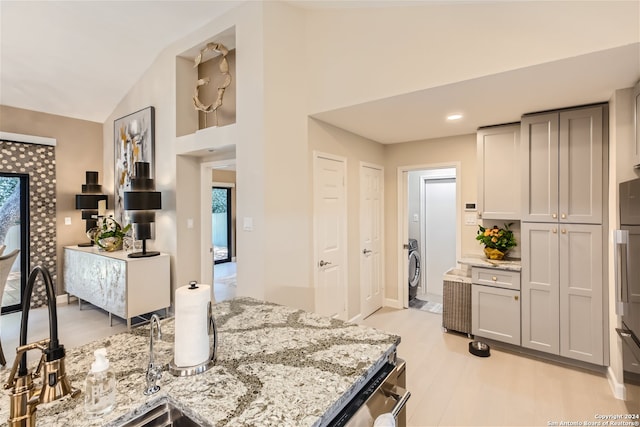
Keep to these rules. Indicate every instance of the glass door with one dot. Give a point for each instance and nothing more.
(221, 224)
(14, 229)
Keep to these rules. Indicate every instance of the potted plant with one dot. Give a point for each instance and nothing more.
(496, 241)
(109, 234)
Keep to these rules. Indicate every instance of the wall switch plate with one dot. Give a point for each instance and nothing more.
(247, 224)
(416, 218)
(190, 223)
(470, 219)
(67, 220)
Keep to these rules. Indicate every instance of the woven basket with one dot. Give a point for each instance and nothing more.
(456, 305)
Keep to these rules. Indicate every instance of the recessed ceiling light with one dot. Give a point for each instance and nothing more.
(454, 116)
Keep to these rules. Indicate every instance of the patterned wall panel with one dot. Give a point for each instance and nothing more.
(39, 161)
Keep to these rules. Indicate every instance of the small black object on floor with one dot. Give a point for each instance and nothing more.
(478, 348)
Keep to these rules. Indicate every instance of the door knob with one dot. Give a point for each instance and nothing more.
(322, 263)
(366, 251)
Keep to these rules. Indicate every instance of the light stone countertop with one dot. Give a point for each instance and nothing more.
(474, 260)
(276, 366)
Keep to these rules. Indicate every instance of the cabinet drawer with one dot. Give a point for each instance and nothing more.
(495, 277)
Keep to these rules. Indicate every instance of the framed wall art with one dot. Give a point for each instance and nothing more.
(134, 142)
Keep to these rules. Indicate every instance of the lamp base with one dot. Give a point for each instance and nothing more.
(86, 245)
(143, 254)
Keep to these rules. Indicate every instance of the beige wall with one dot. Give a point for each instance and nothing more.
(178, 176)
(419, 155)
(328, 139)
(287, 176)
(78, 149)
(422, 46)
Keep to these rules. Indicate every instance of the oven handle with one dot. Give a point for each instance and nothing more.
(621, 263)
(399, 394)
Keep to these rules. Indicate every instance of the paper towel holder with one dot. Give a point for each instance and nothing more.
(188, 371)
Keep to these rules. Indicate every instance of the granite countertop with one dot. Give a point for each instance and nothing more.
(512, 264)
(276, 366)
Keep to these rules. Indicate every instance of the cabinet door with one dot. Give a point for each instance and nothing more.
(581, 311)
(540, 287)
(499, 176)
(539, 165)
(580, 163)
(495, 313)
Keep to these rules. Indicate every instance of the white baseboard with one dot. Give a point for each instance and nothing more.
(393, 303)
(63, 299)
(618, 388)
(356, 318)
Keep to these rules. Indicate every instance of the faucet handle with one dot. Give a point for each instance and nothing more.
(154, 373)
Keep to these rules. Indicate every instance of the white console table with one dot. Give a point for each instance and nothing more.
(125, 287)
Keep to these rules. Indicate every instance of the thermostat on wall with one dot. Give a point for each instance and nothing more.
(470, 207)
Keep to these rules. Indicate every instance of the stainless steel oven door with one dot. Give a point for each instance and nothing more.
(385, 394)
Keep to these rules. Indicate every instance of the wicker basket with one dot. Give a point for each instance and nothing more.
(456, 303)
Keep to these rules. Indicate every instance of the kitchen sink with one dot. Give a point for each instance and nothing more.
(164, 414)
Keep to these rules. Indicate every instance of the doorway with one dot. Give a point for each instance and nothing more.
(14, 230)
(438, 225)
(428, 230)
(330, 235)
(221, 224)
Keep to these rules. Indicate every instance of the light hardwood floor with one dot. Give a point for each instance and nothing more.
(449, 386)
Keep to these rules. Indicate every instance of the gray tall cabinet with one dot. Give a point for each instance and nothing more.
(563, 158)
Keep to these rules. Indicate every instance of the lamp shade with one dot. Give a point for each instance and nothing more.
(89, 201)
(91, 192)
(142, 196)
(141, 202)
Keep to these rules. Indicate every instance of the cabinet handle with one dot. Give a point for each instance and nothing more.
(515, 297)
(563, 216)
(564, 231)
(554, 230)
(494, 278)
(554, 215)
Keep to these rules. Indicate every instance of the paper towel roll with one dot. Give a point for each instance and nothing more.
(191, 343)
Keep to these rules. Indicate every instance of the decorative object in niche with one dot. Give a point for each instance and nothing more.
(134, 142)
(224, 70)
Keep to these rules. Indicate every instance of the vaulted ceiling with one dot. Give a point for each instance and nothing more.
(79, 59)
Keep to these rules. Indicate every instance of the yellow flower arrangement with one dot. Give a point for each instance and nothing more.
(497, 238)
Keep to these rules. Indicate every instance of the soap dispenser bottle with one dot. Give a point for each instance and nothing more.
(100, 386)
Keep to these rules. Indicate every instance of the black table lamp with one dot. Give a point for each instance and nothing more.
(141, 202)
(89, 202)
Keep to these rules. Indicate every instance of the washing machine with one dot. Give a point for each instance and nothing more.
(414, 268)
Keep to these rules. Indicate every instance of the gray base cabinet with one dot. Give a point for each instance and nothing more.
(562, 290)
(495, 304)
(496, 313)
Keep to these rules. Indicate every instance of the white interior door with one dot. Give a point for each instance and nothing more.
(330, 220)
(371, 265)
(440, 232)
